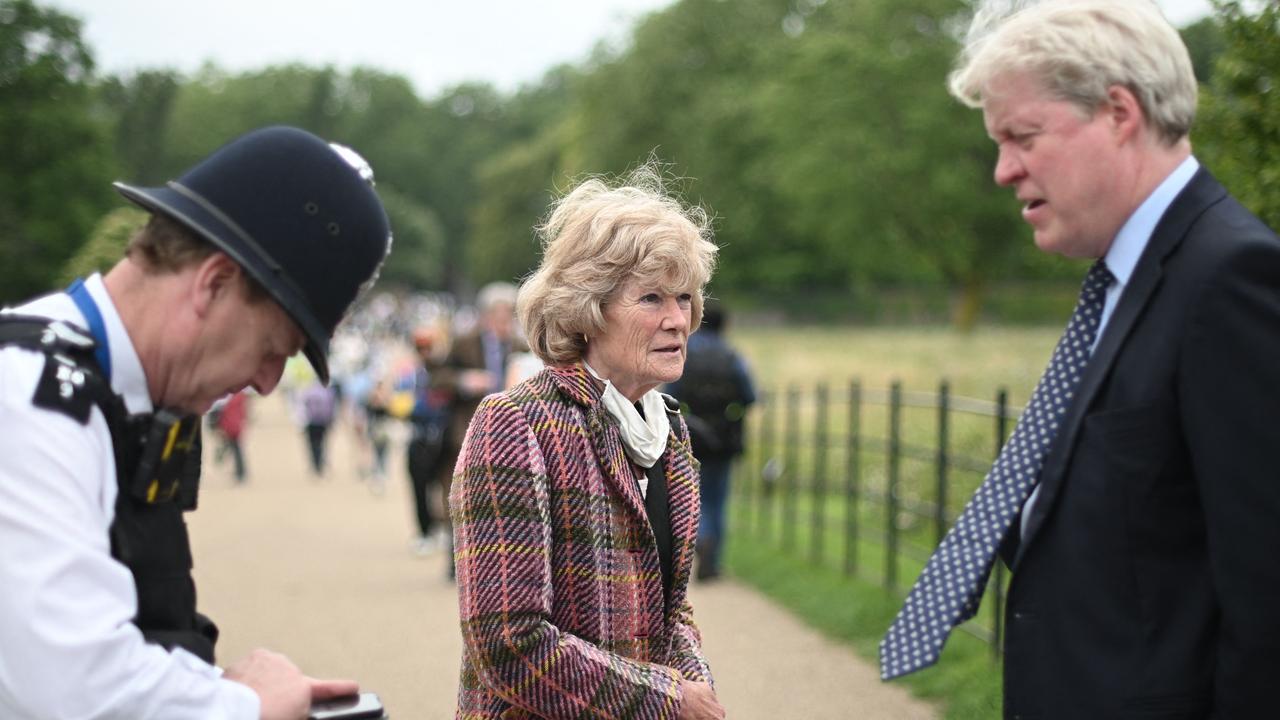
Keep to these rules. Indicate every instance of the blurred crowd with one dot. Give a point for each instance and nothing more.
(407, 372)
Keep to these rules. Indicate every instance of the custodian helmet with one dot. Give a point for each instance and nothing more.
(298, 214)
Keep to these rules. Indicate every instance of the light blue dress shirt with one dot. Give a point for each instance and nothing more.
(1122, 257)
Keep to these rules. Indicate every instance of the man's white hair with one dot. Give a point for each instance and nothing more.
(1078, 50)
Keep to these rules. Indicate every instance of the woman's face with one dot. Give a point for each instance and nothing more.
(643, 342)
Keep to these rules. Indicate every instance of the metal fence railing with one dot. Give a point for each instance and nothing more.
(878, 476)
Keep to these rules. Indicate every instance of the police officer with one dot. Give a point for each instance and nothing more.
(251, 256)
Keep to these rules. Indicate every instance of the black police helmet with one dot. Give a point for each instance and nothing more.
(298, 214)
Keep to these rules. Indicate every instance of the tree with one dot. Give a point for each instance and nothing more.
(516, 182)
(688, 90)
(822, 135)
(140, 107)
(1205, 43)
(418, 243)
(1238, 133)
(106, 244)
(56, 169)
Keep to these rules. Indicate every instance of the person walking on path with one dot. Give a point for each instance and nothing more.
(429, 421)
(249, 257)
(232, 417)
(714, 393)
(476, 366)
(319, 407)
(1136, 500)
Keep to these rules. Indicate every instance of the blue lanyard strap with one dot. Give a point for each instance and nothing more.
(83, 300)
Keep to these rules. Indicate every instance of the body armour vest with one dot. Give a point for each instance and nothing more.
(157, 470)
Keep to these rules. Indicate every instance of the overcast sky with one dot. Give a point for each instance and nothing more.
(434, 43)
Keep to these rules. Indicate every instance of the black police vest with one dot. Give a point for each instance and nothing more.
(157, 469)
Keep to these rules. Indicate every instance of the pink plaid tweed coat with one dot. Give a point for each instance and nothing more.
(558, 578)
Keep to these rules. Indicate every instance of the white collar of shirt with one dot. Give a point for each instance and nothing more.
(1136, 232)
(127, 377)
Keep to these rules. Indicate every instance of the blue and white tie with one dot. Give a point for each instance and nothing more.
(950, 587)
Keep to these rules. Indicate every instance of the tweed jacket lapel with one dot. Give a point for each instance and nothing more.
(683, 499)
(606, 439)
(680, 468)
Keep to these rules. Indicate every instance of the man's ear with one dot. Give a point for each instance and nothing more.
(1125, 113)
(215, 277)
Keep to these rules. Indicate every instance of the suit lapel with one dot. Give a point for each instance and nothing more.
(1199, 193)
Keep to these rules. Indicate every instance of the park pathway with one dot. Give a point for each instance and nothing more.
(321, 570)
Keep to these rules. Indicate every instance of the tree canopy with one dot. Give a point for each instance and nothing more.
(819, 133)
(56, 169)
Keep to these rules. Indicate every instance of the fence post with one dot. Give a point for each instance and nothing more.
(790, 469)
(891, 486)
(819, 525)
(943, 461)
(997, 579)
(768, 469)
(852, 479)
(741, 493)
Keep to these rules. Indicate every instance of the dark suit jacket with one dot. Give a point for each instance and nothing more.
(1147, 584)
(466, 353)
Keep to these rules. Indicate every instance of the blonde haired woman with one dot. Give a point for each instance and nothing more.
(575, 500)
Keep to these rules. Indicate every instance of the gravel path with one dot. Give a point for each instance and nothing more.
(321, 570)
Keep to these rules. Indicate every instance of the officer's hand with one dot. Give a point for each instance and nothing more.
(284, 692)
(699, 702)
(328, 689)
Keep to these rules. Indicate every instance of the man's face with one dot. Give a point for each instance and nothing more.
(244, 343)
(500, 320)
(1063, 165)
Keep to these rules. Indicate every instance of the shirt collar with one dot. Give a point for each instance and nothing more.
(127, 376)
(1133, 237)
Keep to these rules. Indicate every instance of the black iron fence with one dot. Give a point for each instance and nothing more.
(869, 481)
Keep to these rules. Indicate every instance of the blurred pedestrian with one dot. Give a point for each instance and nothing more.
(714, 393)
(232, 417)
(575, 504)
(477, 365)
(319, 404)
(375, 420)
(429, 424)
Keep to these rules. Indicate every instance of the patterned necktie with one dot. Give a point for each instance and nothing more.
(949, 589)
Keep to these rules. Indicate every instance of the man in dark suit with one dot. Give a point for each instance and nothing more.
(1141, 541)
(476, 366)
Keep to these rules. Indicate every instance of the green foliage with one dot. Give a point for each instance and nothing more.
(1205, 43)
(141, 107)
(822, 135)
(418, 242)
(514, 190)
(1238, 133)
(516, 184)
(56, 169)
(106, 244)
(819, 133)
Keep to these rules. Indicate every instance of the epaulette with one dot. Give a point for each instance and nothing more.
(71, 382)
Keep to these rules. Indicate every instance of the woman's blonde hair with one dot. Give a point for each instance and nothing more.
(1077, 50)
(597, 237)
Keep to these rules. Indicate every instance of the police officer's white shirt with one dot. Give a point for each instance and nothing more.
(67, 646)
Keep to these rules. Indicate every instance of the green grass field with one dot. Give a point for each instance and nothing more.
(820, 546)
(976, 363)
